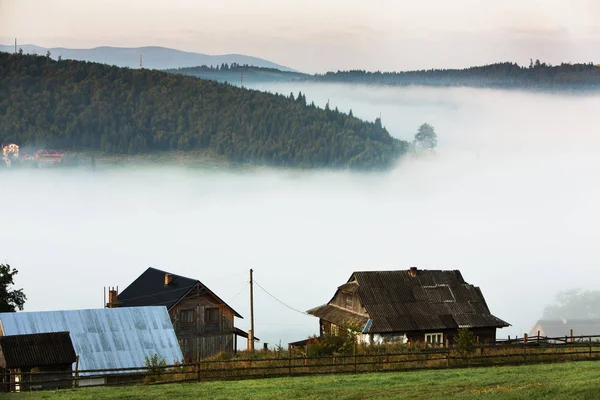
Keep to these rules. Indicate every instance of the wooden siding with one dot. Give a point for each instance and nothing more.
(199, 339)
(483, 335)
(197, 348)
(198, 301)
(349, 301)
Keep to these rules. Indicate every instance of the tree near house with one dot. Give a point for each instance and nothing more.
(574, 304)
(10, 299)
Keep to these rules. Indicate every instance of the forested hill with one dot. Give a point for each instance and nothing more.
(538, 76)
(237, 74)
(75, 104)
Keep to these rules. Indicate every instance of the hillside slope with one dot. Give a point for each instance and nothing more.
(73, 104)
(236, 74)
(154, 57)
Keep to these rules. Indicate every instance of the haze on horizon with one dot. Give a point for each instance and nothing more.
(317, 36)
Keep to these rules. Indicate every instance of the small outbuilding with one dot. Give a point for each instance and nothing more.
(37, 361)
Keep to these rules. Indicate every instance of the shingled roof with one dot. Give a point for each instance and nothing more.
(36, 350)
(398, 301)
(149, 289)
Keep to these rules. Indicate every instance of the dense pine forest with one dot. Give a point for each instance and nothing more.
(537, 76)
(74, 104)
(240, 74)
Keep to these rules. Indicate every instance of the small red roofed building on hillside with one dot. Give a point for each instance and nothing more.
(49, 156)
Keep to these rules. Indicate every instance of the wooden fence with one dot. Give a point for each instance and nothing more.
(526, 351)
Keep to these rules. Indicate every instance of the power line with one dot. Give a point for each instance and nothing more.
(276, 299)
(240, 292)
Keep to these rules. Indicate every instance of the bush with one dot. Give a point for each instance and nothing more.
(155, 367)
(343, 342)
(465, 340)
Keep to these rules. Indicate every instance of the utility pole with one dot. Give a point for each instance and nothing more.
(251, 333)
(241, 78)
(141, 61)
(15, 45)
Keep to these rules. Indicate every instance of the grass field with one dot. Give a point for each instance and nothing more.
(571, 380)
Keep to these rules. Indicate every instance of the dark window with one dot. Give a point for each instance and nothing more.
(211, 316)
(186, 316)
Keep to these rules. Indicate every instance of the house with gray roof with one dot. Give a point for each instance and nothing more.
(203, 322)
(412, 305)
(104, 338)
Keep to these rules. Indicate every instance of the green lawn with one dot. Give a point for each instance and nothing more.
(572, 380)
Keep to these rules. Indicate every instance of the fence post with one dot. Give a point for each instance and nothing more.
(590, 347)
(290, 361)
(354, 357)
(198, 370)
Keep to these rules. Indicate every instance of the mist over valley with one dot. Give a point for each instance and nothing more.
(508, 198)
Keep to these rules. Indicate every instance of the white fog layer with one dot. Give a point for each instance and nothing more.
(511, 200)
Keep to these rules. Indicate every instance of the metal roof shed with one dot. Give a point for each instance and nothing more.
(106, 338)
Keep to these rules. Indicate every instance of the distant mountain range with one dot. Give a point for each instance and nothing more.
(154, 57)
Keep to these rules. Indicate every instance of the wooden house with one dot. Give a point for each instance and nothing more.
(409, 306)
(37, 361)
(203, 323)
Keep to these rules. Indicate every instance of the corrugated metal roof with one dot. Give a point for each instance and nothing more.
(36, 350)
(105, 338)
(433, 299)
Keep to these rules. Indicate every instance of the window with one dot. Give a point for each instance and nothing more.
(349, 301)
(211, 316)
(186, 316)
(335, 330)
(434, 339)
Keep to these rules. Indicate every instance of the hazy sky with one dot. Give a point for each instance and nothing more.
(318, 35)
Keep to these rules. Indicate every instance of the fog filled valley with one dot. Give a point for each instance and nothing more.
(509, 198)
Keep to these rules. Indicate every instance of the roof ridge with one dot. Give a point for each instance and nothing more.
(406, 270)
(171, 273)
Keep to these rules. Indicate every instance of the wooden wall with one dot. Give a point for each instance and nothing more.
(197, 348)
(196, 339)
(349, 301)
(198, 300)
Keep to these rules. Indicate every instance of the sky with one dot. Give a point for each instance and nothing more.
(317, 35)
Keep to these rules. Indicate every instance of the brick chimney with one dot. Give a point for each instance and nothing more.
(113, 298)
(168, 279)
(412, 271)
